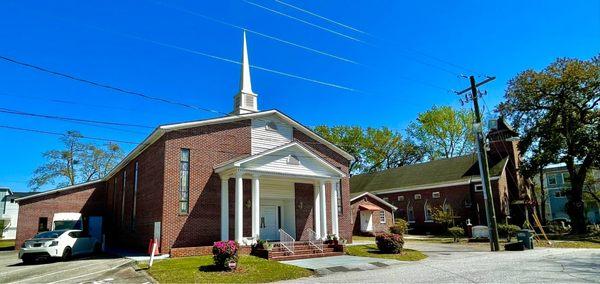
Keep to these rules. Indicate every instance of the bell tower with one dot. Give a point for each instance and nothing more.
(245, 101)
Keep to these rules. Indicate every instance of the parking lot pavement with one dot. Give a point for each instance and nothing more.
(457, 264)
(80, 270)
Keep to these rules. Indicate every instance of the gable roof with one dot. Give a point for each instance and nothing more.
(159, 131)
(437, 172)
(357, 195)
(245, 158)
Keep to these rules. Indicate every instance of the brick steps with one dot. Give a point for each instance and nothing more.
(302, 250)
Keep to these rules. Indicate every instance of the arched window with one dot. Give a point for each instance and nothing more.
(410, 212)
(293, 160)
(428, 211)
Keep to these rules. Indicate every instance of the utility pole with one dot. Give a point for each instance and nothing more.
(483, 164)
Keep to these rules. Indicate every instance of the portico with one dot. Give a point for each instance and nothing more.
(273, 205)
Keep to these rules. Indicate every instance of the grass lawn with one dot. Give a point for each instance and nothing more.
(372, 251)
(6, 244)
(200, 269)
(568, 244)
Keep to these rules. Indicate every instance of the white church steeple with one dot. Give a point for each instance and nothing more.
(245, 101)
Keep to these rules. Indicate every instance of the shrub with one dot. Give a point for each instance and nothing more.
(225, 252)
(508, 231)
(401, 227)
(456, 233)
(390, 243)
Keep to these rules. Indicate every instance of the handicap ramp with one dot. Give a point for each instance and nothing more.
(342, 263)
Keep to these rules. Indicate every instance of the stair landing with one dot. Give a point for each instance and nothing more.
(302, 250)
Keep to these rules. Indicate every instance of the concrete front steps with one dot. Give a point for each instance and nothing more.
(302, 250)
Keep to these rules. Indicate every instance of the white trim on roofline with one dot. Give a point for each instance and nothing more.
(433, 185)
(374, 197)
(238, 163)
(58, 190)
(159, 131)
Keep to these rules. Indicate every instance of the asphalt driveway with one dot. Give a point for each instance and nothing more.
(455, 263)
(81, 270)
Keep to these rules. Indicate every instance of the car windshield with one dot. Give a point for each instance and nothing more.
(66, 224)
(49, 235)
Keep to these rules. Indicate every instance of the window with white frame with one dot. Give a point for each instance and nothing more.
(382, 217)
(417, 196)
(478, 188)
(566, 178)
(428, 211)
(386, 199)
(410, 213)
(435, 194)
(400, 198)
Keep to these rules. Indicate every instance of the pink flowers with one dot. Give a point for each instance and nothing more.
(225, 252)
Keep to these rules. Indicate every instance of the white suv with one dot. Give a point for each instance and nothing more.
(59, 243)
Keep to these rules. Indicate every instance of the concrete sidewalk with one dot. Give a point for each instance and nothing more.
(342, 263)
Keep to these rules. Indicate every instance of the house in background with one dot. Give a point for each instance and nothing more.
(454, 185)
(245, 176)
(9, 212)
(556, 185)
(370, 215)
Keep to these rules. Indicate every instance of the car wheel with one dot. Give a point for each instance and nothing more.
(28, 259)
(97, 248)
(66, 255)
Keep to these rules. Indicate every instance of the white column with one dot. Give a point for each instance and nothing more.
(239, 208)
(317, 211)
(255, 207)
(334, 208)
(323, 207)
(224, 208)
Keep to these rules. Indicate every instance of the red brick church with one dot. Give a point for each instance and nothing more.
(453, 185)
(245, 176)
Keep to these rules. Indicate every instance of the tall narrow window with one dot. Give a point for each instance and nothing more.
(410, 213)
(428, 211)
(339, 198)
(123, 197)
(184, 181)
(114, 201)
(135, 188)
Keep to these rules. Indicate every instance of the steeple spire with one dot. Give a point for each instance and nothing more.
(246, 100)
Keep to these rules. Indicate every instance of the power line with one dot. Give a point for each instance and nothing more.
(321, 17)
(66, 102)
(204, 54)
(257, 33)
(305, 22)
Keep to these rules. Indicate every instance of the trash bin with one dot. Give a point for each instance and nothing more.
(526, 237)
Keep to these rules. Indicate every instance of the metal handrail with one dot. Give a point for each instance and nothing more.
(314, 240)
(286, 241)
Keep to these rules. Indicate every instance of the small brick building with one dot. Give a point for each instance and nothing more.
(252, 174)
(370, 215)
(454, 184)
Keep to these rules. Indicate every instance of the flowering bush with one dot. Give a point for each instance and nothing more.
(389, 243)
(225, 252)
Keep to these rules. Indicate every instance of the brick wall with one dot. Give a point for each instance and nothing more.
(304, 199)
(341, 163)
(88, 200)
(209, 146)
(378, 227)
(148, 205)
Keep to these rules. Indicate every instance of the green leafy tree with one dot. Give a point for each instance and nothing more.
(444, 132)
(557, 110)
(442, 217)
(76, 162)
(386, 149)
(348, 138)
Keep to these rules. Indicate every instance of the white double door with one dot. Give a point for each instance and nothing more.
(269, 222)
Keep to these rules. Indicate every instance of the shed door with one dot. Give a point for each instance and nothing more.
(366, 221)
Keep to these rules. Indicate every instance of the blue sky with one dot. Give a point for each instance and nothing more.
(402, 60)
